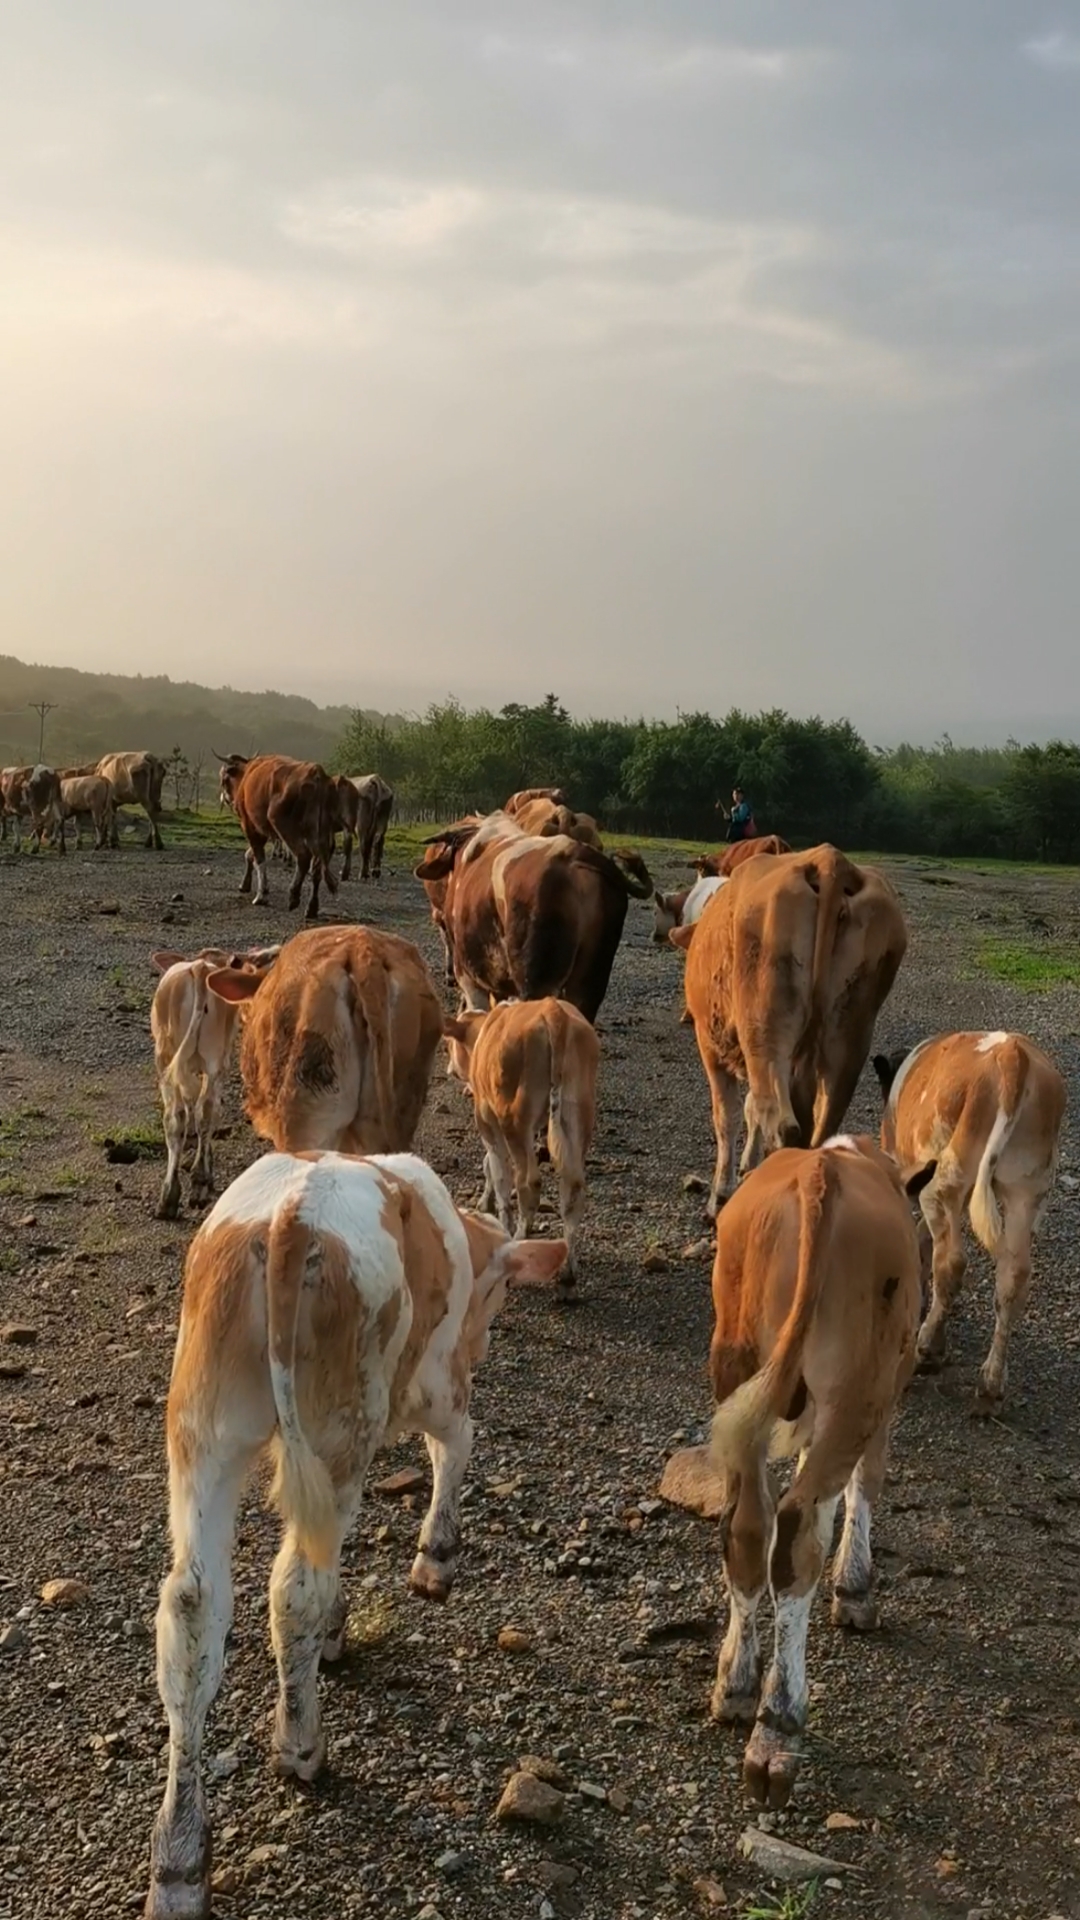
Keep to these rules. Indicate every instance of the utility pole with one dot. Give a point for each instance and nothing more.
(41, 708)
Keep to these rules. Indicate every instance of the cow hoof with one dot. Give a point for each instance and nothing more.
(300, 1763)
(771, 1766)
(430, 1580)
(178, 1900)
(168, 1207)
(735, 1708)
(989, 1399)
(859, 1611)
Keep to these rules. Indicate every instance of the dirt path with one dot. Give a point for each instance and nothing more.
(953, 1736)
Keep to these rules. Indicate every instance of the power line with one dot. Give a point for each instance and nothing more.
(41, 708)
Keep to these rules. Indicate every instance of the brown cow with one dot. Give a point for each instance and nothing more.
(330, 1304)
(527, 794)
(87, 796)
(528, 917)
(545, 817)
(136, 779)
(816, 1290)
(728, 858)
(43, 801)
(989, 1107)
(785, 974)
(193, 1031)
(527, 1062)
(376, 806)
(294, 801)
(338, 1046)
(13, 802)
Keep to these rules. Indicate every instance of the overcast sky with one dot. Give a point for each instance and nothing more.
(659, 356)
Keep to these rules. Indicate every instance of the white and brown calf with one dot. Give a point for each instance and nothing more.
(528, 1062)
(988, 1107)
(330, 1303)
(816, 1289)
(193, 1032)
(683, 909)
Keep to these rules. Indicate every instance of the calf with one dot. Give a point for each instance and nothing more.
(816, 1290)
(13, 803)
(989, 1106)
(193, 1033)
(525, 1062)
(338, 1048)
(725, 862)
(329, 1305)
(683, 909)
(87, 795)
(43, 801)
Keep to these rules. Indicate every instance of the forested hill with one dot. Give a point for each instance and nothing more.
(97, 713)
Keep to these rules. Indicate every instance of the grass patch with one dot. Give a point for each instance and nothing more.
(1032, 968)
(793, 1904)
(13, 1186)
(372, 1619)
(146, 1140)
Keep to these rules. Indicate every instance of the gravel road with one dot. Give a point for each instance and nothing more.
(952, 1737)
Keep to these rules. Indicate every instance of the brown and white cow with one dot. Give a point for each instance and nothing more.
(528, 1062)
(85, 796)
(42, 792)
(136, 779)
(546, 817)
(728, 858)
(816, 1291)
(683, 909)
(989, 1108)
(338, 1046)
(527, 917)
(193, 1032)
(785, 973)
(13, 805)
(330, 1304)
(364, 804)
(527, 795)
(293, 801)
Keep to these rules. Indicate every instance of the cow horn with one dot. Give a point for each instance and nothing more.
(220, 756)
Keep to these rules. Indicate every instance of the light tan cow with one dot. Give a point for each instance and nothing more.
(13, 802)
(193, 1032)
(527, 1062)
(545, 818)
(330, 1304)
(526, 795)
(989, 1107)
(816, 1291)
(338, 1047)
(136, 779)
(785, 974)
(87, 794)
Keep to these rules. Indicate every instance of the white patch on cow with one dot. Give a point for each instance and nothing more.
(902, 1072)
(496, 826)
(256, 1194)
(700, 894)
(840, 1143)
(989, 1041)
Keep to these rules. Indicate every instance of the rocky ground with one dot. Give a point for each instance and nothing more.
(950, 1741)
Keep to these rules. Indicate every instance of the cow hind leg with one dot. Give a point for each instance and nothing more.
(941, 1210)
(1019, 1212)
(724, 1098)
(449, 1444)
(567, 1146)
(305, 1603)
(744, 1530)
(346, 849)
(193, 1620)
(202, 1173)
(854, 1601)
(802, 1535)
(300, 874)
(175, 1117)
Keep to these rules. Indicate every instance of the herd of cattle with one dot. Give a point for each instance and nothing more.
(336, 1296)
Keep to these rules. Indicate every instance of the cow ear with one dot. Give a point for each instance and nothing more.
(163, 961)
(682, 936)
(455, 1029)
(533, 1263)
(435, 866)
(915, 1182)
(883, 1068)
(235, 984)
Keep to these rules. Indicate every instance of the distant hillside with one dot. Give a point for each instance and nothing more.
(97, 713)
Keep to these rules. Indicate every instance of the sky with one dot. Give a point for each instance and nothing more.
(724, 353)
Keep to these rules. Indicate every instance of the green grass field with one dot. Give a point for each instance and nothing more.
(1024, 964)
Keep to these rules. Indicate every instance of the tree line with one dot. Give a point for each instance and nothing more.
(810, 780)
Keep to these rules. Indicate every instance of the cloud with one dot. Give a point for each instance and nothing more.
(1060, 52)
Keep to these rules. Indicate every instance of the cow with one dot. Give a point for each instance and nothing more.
(517, 801)
(785, 973)
(193, 1032)
(338, 1045)
(546, 817)
(293, 801)
(527, 1062)
(816, 1290)
(683, 909)
(87, 795)
(989, 1107)
(531, 917)
(330, 1304)
(13, 804)
(376, 806)
(136, 780)
(725, 862)
(43, 802)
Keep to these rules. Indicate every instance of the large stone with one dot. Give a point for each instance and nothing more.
(15, 1333)
(689, 1481)
(405, 1480)
(64, 1593)
(781, 1860)
(530, 1800)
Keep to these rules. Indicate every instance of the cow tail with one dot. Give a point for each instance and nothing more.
(1012, 1062)
(325, 827)
(743, 1420)
(831, 907)
(303, 1491)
